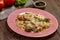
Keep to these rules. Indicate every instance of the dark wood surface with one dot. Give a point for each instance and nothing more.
(53, 6)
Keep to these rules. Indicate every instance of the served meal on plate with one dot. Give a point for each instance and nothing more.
(32, 22)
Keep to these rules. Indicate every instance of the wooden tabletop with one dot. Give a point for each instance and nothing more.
(53, 6)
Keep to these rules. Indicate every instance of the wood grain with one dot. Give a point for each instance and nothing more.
(53, 6)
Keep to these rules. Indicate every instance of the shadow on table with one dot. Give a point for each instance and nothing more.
(20, 37)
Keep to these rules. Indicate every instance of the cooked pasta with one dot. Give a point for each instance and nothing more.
(32, 22)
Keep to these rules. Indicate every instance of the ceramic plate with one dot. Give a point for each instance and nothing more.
(52, 28)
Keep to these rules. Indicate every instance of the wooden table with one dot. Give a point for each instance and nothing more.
(7, 34)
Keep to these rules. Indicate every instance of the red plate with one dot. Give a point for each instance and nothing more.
(52, 28)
